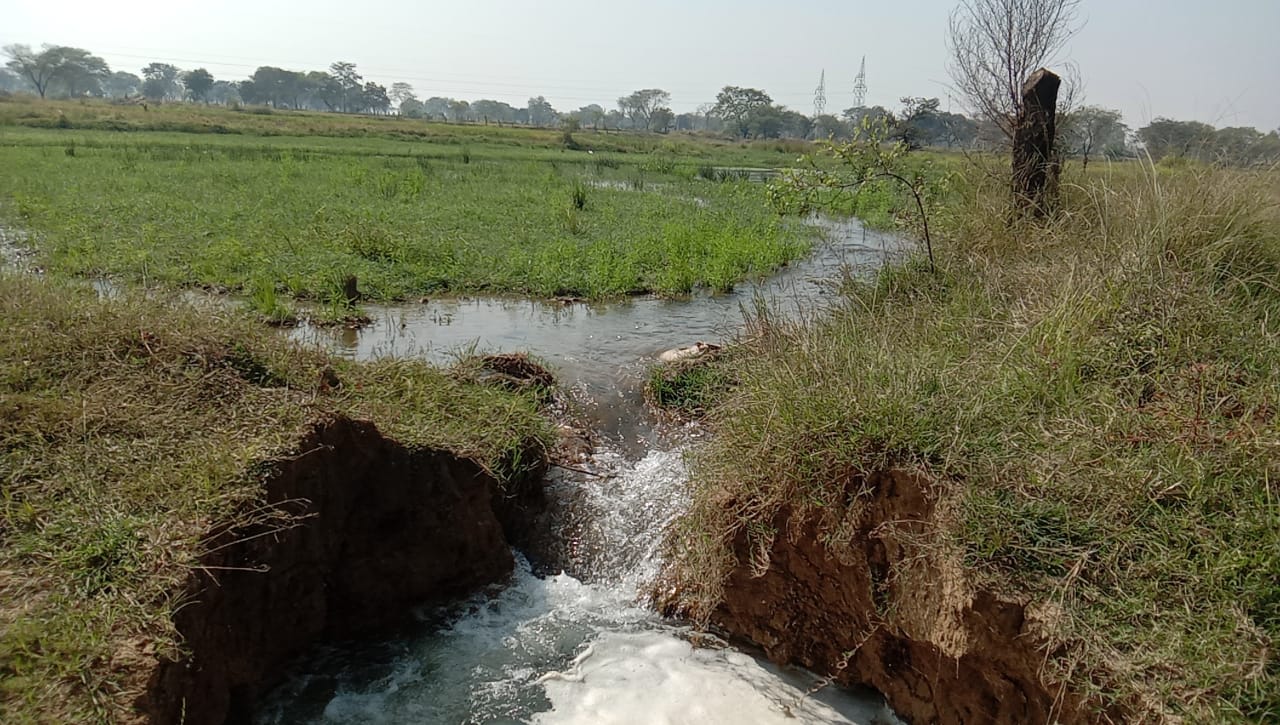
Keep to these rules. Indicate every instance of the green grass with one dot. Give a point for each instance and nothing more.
(19, 114)
(128, 429)
(1099, 398)
(689, 388)
(298, 214)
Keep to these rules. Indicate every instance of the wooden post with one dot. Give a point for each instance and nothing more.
(1035, 164)
(350, 290)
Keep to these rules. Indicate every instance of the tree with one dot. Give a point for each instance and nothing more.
(1237, 146)
(738, 105)
(373, 98)
(592, 113)
(411, 108)
(661, 120)
(827, 126)
(489, 110)
(540, 112)
(766, 122)
(860, 117)
(122, 85)
(918, 121)
(10, 82)
(38, 69)
(160, 81)
(1091, 129)
(459, 110)
(79, 73)
(794, 124)
(640, 105)
(71, 71)
(224, 92)
(347, 86)
(995, 45)
(198, 83)
(1164, 137)
(436, 107)
(401, 92)
(279, 88)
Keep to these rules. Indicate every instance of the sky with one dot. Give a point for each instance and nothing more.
(1182, 59)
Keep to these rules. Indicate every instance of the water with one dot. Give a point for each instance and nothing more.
(579, 646)
(603, 349)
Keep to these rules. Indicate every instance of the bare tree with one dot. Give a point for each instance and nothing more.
(996, 45)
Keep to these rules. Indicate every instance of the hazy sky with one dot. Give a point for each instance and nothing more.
(1209, 61)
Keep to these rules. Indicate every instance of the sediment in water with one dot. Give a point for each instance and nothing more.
(888, 606)
(372, 529)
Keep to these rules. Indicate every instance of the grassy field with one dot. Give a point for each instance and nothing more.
(128, 428)
(1098, 394)
(294, 215)
(257, 121)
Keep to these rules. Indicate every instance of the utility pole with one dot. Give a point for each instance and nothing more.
(860, 85)
(820, 95)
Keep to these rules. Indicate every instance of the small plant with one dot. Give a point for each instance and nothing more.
(688, 388)
(578, 194)
(266, 302)
(864, 163)
(571, 220)
(636, 181)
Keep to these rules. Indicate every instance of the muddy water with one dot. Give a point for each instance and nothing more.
(579, 646)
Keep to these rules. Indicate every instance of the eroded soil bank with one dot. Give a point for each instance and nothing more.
(887, 606)
(372, 529)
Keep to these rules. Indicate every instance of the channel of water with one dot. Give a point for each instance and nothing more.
(580, 646)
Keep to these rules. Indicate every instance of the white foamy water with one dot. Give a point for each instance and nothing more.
(655, 677)
(558, 650)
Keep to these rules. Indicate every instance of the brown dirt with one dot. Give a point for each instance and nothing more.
(378, 528)
(515, 371)
(890, 608)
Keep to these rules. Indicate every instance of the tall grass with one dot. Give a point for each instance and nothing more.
(1098, 399)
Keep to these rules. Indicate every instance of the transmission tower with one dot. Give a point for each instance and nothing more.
(860, 85)
(820, 96)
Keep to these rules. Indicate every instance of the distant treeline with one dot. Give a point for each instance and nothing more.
(1089, 131)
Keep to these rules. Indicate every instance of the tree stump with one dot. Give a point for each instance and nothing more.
(350, 290)
(1035, 164)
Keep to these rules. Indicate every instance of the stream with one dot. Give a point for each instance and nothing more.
(579, 645)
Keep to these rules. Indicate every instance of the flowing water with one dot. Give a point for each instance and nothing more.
(580, 646)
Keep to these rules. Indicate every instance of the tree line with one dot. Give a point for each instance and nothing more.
(1086, 132)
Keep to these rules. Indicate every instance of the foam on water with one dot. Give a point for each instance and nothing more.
(561, 650)
(654, 677)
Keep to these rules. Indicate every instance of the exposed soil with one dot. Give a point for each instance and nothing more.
(376, 529)
(892, 610)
